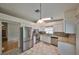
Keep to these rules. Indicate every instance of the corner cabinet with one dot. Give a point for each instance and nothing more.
(67, 25)
(69, 22)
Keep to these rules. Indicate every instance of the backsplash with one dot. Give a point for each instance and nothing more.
(69, 39)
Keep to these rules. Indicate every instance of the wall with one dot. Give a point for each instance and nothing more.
(13, 28)
(13, 32)
(77, 31)
(0, 39)
(77, 39)
(23, 22)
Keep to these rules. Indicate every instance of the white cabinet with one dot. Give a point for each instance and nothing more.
(55, 28)
(68, 24)
(70, 19)
(59, 26)
(45, 38)
(66, 48)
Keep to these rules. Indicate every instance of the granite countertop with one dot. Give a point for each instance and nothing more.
(50, 35)
(54, 37)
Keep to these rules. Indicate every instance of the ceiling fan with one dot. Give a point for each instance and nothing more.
(52, 20)
(46, 20)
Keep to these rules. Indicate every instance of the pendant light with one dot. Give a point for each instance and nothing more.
(41, 20)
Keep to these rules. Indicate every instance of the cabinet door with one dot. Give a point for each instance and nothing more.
(60, 26)
(77, 39)
(70, 21)
(55, 27)
(66, 48)
(25, 45)
(69, 27)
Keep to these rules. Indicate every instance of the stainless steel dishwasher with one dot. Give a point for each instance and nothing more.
(54, 41)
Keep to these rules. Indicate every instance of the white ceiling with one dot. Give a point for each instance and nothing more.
(27, 10)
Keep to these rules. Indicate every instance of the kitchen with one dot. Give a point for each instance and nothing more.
(59, 35)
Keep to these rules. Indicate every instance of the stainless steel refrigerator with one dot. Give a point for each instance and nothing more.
(25, 41)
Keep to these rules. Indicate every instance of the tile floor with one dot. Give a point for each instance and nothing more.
(42, 49)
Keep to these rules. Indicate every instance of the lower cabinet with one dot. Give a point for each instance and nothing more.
(66, 49)
(54, 41)
(45, 38)
(25, 45)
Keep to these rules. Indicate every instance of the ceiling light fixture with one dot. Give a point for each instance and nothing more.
(41, 20)
(46, 19)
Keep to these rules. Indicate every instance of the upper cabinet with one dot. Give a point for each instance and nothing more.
(58, 26)
(69, 21)
(67, 25)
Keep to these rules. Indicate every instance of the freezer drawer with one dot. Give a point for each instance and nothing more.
(26, 45)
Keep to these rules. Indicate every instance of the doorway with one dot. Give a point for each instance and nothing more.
(10, 37)
(4, 36)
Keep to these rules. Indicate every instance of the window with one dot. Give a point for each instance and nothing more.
(49, 30)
